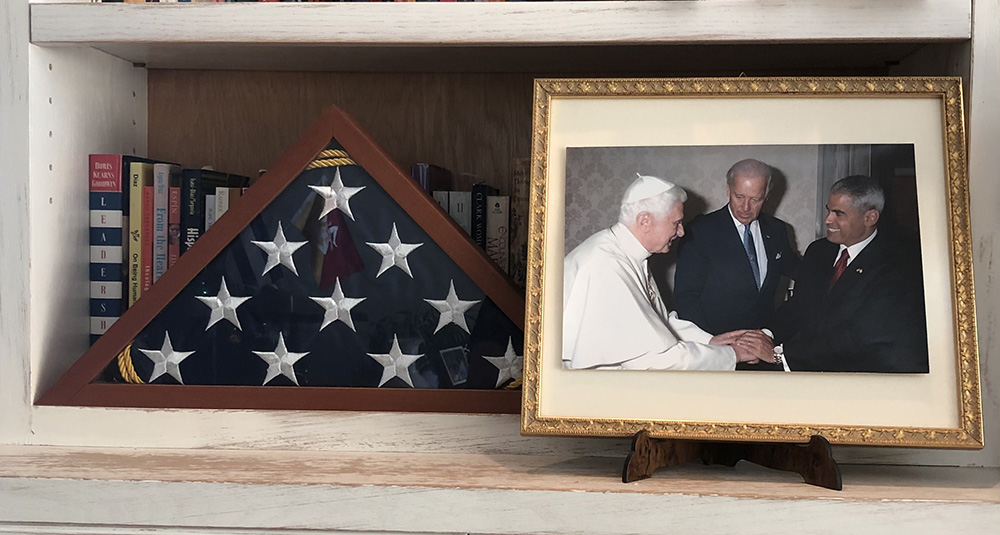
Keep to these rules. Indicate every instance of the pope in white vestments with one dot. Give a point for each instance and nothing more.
(613, 315)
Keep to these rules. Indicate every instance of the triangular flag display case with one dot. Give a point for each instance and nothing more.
(335, 283)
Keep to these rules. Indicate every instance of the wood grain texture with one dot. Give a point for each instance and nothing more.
(813, 461)
(441, 228)
(243, 121)
(311, 431)
(284, 398)
(558, 473)
(97, 507)
(577, 23)
(14, 326)
(759, 59)
(984, 189)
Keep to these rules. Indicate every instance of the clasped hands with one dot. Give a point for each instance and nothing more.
(751, 345)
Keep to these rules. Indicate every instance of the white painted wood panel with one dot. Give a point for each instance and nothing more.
(487, 471)
(14, 341)
(507, 23)
(984, 188)
(83, 127)
(321, 485)
(195, 507)
(303, 430)
(82, 101)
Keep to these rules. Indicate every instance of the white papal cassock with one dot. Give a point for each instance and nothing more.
(613, 316)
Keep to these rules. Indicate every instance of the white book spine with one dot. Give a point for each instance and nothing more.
(106, 289)
(209, 211)
(100, 254)
(221, 201)
(460, 208)
(99, 325)
(161, 203)
(441, 196)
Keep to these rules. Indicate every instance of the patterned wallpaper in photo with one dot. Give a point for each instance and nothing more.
(596, 177)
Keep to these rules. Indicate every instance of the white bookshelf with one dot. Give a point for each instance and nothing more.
(505, 36)
(91, 61)
(132, 27)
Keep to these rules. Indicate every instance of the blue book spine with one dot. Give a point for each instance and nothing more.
(107, 253)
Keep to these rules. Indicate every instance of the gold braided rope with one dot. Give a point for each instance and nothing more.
(332, 153)
(125, 366)
(330, 162)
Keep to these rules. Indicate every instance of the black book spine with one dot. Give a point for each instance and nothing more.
(479, 194)
(192, 210)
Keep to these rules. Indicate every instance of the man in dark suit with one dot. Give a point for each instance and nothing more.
(731, 261)
(858, 303)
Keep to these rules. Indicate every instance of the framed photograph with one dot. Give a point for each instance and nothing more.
(751, 259)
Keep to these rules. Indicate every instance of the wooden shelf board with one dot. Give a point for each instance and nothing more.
(719, 59)
(506, 23)
(485, 471)
(511, 36)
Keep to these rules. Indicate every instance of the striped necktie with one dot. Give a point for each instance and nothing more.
(751, 254)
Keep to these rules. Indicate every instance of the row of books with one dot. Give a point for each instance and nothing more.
(482, 212)
(144, 214)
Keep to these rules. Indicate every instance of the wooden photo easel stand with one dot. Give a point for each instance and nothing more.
(813, 461)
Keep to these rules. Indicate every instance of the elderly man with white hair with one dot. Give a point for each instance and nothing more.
(613, 315)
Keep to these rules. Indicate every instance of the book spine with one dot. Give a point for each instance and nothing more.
(209, 211)
(441, 197)
(105, 186)
(161, 202)
(140, 174)
(459, 206)
(192, 212)
(126, 163)
(147, 237)
(520, 198)
(221, 201)
(479, 194)
(173, 225)
(497, 226)
(421, 175)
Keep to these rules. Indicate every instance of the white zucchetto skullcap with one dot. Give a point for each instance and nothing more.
(644, 187)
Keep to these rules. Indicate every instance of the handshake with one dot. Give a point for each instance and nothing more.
(752, 346)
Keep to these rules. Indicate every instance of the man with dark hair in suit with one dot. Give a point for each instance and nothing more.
(731, 262)
(858, 303)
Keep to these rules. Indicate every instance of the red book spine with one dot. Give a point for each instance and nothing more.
(173, 225)
(105, 173)
(147, 237)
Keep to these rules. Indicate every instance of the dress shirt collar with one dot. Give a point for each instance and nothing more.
(629, 243)
(754, 225)
(854, 250)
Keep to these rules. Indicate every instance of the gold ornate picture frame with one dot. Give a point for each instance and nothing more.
(941, 408)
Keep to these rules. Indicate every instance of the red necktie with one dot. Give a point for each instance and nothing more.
(839, 267)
